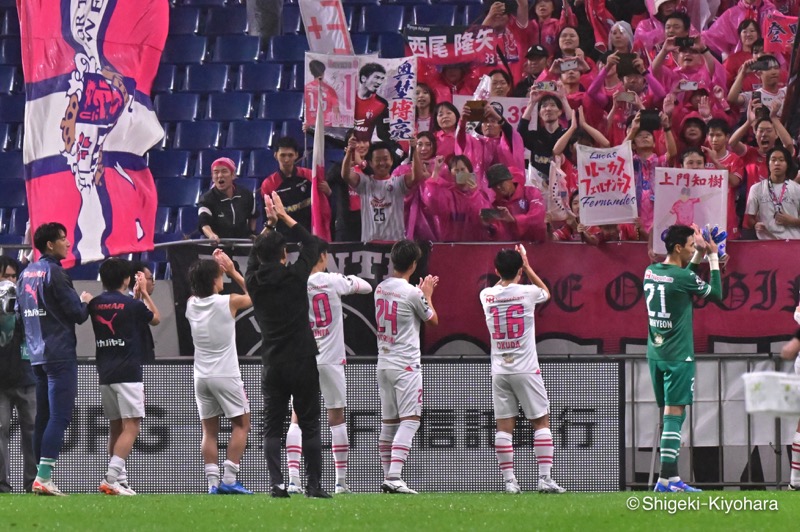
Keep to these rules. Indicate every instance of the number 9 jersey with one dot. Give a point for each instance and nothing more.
(509, 317)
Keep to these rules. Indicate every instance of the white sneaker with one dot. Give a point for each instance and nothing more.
(396, 486)
(108, 488)
(512, 486)
(294, 489)
(342, 488)
(548, 485)
(46, 487)
(125, 489)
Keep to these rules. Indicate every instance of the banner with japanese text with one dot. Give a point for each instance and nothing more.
(779, 33)
(686, 197)
(512, 107)
(605, 185)
(326, 27)
(386, 97)
(443, 45)
(337, 76)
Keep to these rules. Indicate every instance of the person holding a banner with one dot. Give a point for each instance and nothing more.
(371, 110)
(519, 210)
(495, 141)
(345, 201)
(773, 205)
(718, 156)
(513, 34)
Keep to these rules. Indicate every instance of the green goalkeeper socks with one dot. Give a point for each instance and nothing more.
(670, 445)
(46, 466)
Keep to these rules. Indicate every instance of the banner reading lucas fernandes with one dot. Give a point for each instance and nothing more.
(89, 67)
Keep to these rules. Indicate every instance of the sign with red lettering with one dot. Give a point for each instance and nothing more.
(326, 27)
(606, 185)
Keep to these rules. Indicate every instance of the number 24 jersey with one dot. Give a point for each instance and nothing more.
(400, 309)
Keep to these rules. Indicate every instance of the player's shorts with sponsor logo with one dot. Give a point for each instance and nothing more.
(510, 390)
(401, 392)
(123, 400)
(673, 381)
(333, 385)
(216, 396)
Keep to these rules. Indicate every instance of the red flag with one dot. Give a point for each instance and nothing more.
(779, 32)
(320, 207)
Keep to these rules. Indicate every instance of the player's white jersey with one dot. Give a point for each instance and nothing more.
(509, 317)
(382, 202)
(325, 291)
(400, 309)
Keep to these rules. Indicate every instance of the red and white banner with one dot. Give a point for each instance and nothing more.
(687, 197)
(606, 185)
(779, 32)
(326, 27)
(336, 77)
(89, 67)
(320, 207)
(386, 98)
(442, 45)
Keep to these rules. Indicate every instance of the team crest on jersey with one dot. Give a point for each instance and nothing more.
(490, 299)
(508, 358)
(369, 115)
(523, 204)
(380, 203)
(658, 340)
(378, 290)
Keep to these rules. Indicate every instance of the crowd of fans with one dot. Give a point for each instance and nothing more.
(718, 99)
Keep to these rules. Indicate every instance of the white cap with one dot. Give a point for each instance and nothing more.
(658, 3)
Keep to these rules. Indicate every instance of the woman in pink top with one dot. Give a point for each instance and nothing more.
(426, 103)
(444, 128)
(549, 27)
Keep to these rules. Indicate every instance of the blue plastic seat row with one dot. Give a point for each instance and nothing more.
(228, 106)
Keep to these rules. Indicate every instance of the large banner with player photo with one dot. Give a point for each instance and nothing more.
(605, 185)
(326, 26)
(442, 45)
(397, 90)
(687, 197)
(339, 79)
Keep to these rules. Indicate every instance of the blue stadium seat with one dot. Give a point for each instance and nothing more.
(204, 3)
(163, 222)
(247, 183)
(185, 49)
(10, 240)
(8, 79)
(177, 192)
(11, 23)
(250, 135)
(363, 2)
(237, 49)
(18, 221)
(187, 221)
(474, 14)
(294, 129)
(11, 163)
(165, 79)
(441, 15)
(360, 42)
(12, 107)
(206, 78)
(169, 163)
(197, 135)
(282, 106)
(291, 21)
(177, 107)
(295, 81)
(10, 53)
(14, 194)
(260, 77)
(391, 45)
(230, 20)
(412, 3)
(184, 20)
(206, 157)
(287, 48)
(230, 106)
(262, 163)
(7, 141)
(85, 272)
(379, 19)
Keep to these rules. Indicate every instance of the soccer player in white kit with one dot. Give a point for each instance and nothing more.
(325, 291)
(789, 352)
(217, 380)
(516, 377)
(400, 309)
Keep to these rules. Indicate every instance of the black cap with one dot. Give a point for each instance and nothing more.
(536, 51)
(496, 174)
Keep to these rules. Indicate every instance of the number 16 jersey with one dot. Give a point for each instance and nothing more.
(509, 317)
(400, 309)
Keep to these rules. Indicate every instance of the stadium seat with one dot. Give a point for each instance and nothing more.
(177, 107)
(230, 106)
(291, 21)
(250, 135)
(197, 135)
(11, 23)
(184, 49)
(206, 78)
(236, 49)
(7, 136)
(10, 240)
(294, 129)
(230, 20)
(85, 272)
(474, 14)
(391, 45)
(14, 194)
(10, 53)
(379, 19)
(413, 3)
(187, 221)
(177, 192)
(162, 220)
(169, 163)
(262, 163)
(204, 3)
(260, 77)
(11, 163)
(165, 79)
(441, 15)
(206, 157)
(334, 156)
(363, 2)
(18, 221)
(296, 79)
(349, 16)
(287, 48)
(12, 108)
(8, 79)
(360, 43)
(184, 20)
(247, 183)
(282, 106)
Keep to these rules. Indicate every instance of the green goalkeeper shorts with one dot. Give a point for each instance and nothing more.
(673, 382)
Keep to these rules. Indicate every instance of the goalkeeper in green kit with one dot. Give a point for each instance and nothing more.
(669, 287)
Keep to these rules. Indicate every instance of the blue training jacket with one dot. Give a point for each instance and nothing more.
(50, 308)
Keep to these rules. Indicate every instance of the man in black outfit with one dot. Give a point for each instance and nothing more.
(280, 302)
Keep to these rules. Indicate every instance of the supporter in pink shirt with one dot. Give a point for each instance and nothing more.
(548, 26)
(719, 157)
(649, 33)
(723, 36)
(447, 118)
(695, 63)
(513, 35)
(426, 103)
(519, 210)
(447, 80)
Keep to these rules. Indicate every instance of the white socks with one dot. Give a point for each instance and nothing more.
(340, 446)
(115, 466)
(385, 440)
(543, 447)
(212, 475)
(294, 448)
(504, 449)
(229, 472)
(794, 479)
(401, 447)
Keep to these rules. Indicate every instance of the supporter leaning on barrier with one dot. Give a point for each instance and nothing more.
(226, 211)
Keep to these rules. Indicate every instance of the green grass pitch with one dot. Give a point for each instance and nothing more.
(429, 511)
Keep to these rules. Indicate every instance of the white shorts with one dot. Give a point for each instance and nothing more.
(333, 385)
(124, 400)
(526, 389)
(401, 393)
(216, 396)
(797, 365)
